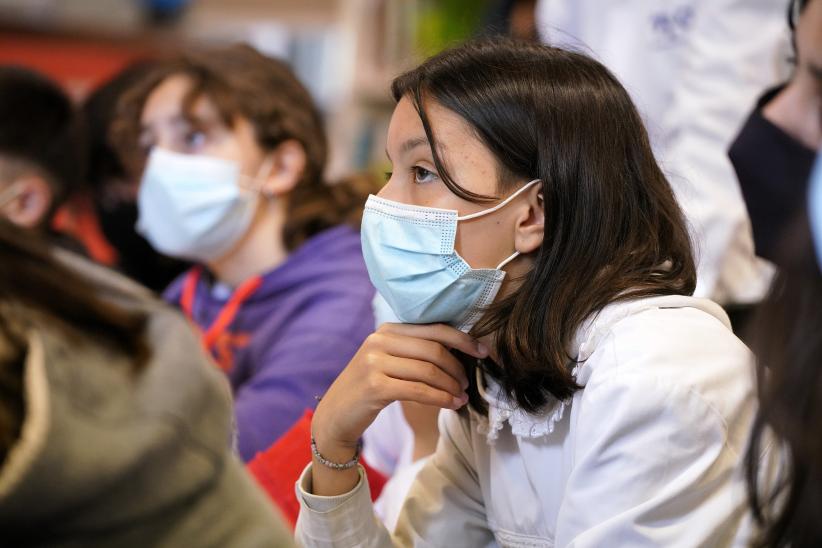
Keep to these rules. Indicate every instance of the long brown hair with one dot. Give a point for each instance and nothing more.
(33, 278)
(613, 229)
(787, 331)
(240, 81)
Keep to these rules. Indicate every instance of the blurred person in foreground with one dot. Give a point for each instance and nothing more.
(115, 430)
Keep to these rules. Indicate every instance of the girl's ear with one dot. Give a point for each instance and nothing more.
(288, 161)
(530, 222)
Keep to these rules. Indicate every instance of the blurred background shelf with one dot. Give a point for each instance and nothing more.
(346, 51)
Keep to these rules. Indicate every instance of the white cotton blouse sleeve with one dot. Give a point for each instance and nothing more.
(444, 507)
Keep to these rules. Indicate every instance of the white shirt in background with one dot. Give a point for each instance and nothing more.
(694, 68)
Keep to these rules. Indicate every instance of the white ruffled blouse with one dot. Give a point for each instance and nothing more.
(500, 411)
(648, 453)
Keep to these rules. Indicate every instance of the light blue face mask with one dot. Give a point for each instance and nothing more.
(815, 206)
(195, 207)
(411, 260)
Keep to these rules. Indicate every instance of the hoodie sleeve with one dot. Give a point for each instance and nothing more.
(293, 373)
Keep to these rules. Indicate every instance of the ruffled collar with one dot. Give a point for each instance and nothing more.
(502, 410)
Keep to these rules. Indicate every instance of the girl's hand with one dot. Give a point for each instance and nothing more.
(399, 362)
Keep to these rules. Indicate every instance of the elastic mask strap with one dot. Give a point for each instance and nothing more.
(508, 260)
(501, 204)
(253, 183)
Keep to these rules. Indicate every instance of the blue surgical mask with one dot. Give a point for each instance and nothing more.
(815, 206)
(195, 207)
(411, 260)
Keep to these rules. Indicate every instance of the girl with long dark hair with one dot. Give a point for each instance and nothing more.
(542, 271)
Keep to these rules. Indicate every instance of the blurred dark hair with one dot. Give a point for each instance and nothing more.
(99, 110)
(613, 229)
(788, 342)
(33, 278)
(40, 127)
(240, 81)
(111, 184)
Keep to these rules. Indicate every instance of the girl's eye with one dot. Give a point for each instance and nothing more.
(422, 175)
(194, 139)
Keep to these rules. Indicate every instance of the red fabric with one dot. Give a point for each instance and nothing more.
(77, 218)
(278, 468)
(80, 63)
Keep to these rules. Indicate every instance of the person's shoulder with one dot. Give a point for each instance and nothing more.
(328, 278)
(329, 260)
(103, 277)
(339, 240)
(677, 357)
(689, 331)
(174, 291)
(675, 328)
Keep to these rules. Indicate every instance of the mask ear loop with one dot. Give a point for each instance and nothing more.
(497, 208)
(504, 263)
(252, 183)
(500, 205)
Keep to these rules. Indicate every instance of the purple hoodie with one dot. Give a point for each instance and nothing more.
(293, 336)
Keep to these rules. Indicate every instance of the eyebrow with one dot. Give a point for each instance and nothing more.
(174, 120)
(409, 145)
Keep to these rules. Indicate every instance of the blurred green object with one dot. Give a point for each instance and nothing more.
(444, 23)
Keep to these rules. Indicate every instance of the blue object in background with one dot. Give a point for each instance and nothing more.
(815, 206)
(162, 11)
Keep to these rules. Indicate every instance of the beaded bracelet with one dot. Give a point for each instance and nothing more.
(336, 465)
